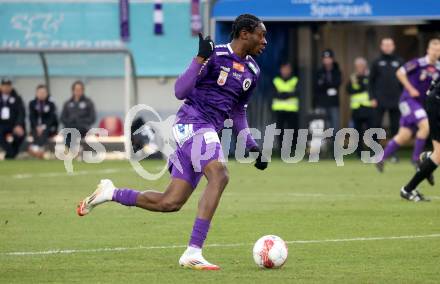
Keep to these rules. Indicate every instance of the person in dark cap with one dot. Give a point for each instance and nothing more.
(12, 119)
(328, 81)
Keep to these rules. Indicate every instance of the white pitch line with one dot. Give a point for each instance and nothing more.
(321, 195)
(117, 249)
(75, 173)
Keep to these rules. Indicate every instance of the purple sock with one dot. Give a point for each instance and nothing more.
(125, 197)
(390, 149)
(199, 232)
(419, 146)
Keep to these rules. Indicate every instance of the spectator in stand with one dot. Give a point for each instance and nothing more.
(78, 112)
(12, 116)
(384, 87)
(43, 121)
(285, 101)
(328, 81)
(360, 104)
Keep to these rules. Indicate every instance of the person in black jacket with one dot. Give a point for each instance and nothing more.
(78, 112)
(12, 116)
(43, 121)
(328, 81)
(385, 88)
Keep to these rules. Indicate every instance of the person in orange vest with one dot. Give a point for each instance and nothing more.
(285, 101)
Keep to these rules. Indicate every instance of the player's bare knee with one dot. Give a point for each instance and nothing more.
(223, 178)
(217, 174)
(423, 133)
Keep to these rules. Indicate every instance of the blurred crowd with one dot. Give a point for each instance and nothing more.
(43, 121)
(374, 89)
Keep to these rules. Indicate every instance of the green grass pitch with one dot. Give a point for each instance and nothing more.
(337, 211)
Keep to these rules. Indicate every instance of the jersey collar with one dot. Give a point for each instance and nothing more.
(247, 58)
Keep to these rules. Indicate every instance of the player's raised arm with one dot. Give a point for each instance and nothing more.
(186, 81)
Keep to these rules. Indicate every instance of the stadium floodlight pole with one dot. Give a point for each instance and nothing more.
(129, 69)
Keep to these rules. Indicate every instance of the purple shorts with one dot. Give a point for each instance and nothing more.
(197, 145)
(412, 112)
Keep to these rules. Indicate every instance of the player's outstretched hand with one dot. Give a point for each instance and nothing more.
(206, 47)
(261, 162)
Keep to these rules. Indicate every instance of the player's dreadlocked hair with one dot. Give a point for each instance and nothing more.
(245, 22)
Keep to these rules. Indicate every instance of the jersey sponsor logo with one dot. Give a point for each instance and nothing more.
(222, 77)
(247, 84)
(382, 63)
(238, 66)
(236, 76)
(395, 64)
(226, 69)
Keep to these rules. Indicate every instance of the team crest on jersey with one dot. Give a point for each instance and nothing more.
(247, 84)
(222, 78)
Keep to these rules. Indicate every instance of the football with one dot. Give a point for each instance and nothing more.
(270, 252)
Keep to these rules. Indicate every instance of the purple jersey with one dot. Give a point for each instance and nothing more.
(222, 89)
(420, 74)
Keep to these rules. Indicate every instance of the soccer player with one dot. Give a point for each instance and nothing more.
(216, 86)
(428, 163)
(416, 76)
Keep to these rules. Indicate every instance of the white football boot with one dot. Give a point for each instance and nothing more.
(192, 258)
(103, 193)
